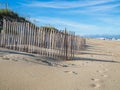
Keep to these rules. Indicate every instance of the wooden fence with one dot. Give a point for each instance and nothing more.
(26, 37)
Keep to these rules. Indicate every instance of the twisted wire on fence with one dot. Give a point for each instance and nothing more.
(26, 37)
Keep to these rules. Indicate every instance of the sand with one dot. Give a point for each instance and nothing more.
(96, 68)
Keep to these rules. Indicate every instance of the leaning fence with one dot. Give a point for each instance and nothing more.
(26, 37)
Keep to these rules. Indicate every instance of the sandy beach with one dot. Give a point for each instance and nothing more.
(95, 68)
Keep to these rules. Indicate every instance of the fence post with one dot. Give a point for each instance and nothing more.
(66, 46)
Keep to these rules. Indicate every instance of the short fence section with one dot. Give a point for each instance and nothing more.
(26, 37)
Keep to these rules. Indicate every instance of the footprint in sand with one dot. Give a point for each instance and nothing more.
(71, 72)
(101, 66)
(96, 85)
(1, 56)
(75, 72)
(73, 64)
(104, 76)
(105, 69)
(15, 60)
(83, 64)
(95, 79)
(100, 71)
(5, 58)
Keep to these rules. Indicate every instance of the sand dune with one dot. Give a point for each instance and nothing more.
(96, 68)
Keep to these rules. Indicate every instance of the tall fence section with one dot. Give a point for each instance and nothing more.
(26, 37)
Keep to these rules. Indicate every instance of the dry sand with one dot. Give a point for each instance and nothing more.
(96, 68)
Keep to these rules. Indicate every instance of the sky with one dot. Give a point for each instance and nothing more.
(84, 17)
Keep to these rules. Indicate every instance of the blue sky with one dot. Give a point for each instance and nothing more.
(82, 16)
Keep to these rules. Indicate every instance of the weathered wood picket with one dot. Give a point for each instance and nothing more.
(26, 37)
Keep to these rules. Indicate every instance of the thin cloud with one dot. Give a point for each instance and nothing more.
(98, 10)
(66, 4)
(104, 7)
(61, 22)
